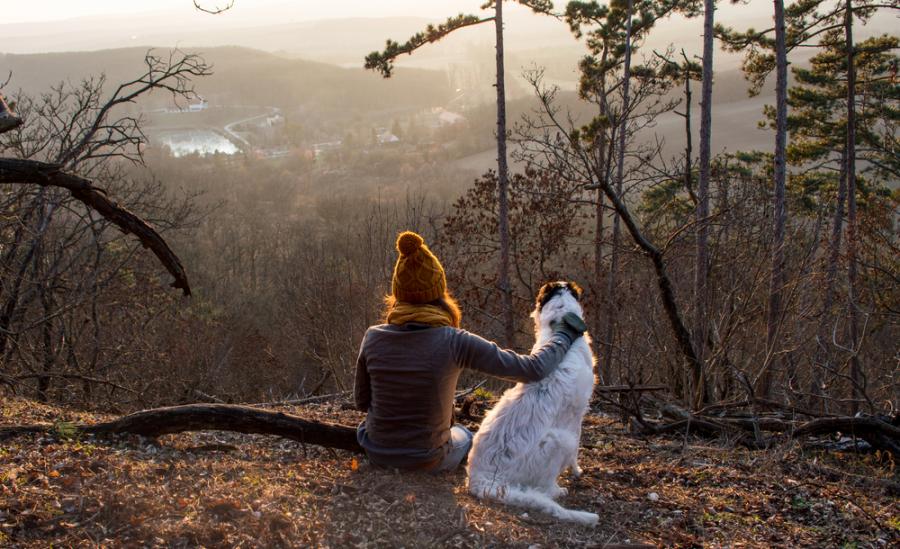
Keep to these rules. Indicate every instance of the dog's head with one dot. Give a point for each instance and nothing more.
(554, 300)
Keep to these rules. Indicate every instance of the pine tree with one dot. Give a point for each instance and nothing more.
(826, 25)
(383, 62)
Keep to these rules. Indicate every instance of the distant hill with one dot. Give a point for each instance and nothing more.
(244, 76)
(337, 41)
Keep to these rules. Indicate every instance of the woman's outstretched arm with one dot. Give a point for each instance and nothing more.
(472, 351)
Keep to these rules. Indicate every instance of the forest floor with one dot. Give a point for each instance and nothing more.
(219, 489)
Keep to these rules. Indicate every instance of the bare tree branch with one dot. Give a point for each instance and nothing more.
(216, 10)
(18, 171)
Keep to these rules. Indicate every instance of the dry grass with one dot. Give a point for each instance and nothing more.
(219, 489)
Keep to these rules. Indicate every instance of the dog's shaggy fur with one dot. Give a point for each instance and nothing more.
(532, 435)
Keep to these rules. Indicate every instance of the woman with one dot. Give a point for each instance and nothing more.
(407, 368)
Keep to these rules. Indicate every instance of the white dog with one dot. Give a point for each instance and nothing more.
(533, 433)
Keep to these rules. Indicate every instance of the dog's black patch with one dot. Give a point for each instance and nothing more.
(551, 289)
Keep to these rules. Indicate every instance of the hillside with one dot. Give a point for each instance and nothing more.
(224, 489)
(242, 76)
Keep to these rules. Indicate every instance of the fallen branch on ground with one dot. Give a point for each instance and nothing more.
(305, 400)
(747, 431)
(219, 417)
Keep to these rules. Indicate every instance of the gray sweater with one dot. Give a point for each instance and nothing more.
(406, 377)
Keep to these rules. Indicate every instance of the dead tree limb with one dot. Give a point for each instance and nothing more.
(219, 417)
(18, 171)
(215, 10)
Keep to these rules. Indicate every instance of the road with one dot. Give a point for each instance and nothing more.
(239, 140)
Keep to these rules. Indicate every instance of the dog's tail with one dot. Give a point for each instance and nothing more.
(529, 498)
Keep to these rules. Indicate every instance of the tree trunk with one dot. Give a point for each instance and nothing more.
(620, 174)
(600, 320)
(822, 361)
(856, 376)
(779, 213)
(688, 141)
(701, 275)
(43, 387)
(603, 372)
(503, 185)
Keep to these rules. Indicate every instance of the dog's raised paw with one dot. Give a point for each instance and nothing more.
(558, 492)
(577, 471)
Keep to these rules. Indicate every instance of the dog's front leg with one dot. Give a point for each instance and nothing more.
(575, 470)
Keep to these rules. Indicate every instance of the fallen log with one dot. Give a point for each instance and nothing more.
(880, 434)
(220, 417)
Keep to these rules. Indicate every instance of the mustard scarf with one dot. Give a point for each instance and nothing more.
(432, 315)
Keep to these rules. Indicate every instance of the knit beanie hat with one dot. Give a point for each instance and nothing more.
(418, 275)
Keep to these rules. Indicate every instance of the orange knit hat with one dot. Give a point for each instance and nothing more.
(418, 275)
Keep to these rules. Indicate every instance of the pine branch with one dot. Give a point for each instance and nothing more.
(383, 61)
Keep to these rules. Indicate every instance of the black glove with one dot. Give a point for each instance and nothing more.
(571, 325)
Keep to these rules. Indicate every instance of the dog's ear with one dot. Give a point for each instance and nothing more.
(575, 289)
(544, 295)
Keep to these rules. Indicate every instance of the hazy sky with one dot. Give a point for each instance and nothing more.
(46, 10)
(19, 11)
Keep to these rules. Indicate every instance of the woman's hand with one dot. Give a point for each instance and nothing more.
(571, 325)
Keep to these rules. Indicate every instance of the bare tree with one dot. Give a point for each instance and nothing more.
(552, 143)
(63, 258)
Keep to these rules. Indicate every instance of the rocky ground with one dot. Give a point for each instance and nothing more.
(219, 489)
